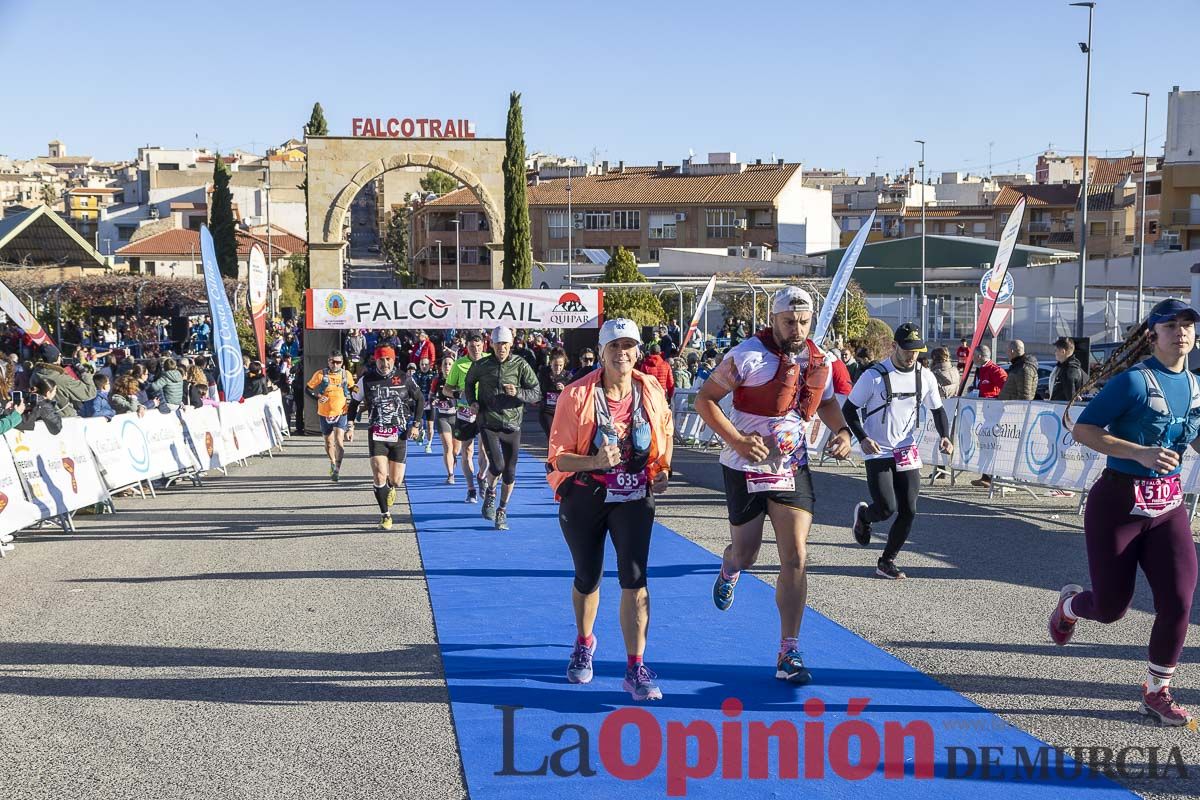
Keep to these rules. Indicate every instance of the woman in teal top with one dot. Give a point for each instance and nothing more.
(1143, 420)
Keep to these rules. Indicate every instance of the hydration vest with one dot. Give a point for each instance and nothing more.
(789, 388)
(324, 384)
(639, 430)
(1156, 413)
(889, 395)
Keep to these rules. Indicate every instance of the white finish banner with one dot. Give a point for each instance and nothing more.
(59, 472)
(343, 309)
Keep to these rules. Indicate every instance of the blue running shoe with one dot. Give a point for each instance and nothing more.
(791, 668)
(723, 592)
(579, 670)
(639, 682)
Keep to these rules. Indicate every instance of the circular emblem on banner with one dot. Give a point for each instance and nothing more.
(966, 433)
(335, 304)
(1006, 288)
(134, 439)
(230, 359)
(1041, 456)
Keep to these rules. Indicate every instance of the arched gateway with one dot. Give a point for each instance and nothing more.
(339, 166)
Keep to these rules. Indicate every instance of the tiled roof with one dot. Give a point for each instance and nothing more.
(1101, 196)
(945, 212)
(182, 242)
(1115, 170)
(102, 190)
(645, 186)
(1039, 195)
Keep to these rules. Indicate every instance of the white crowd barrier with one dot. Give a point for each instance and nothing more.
(43, 477)
(1014, 440)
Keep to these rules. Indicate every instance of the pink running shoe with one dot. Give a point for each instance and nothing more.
(1061, 629)
(1161, 705)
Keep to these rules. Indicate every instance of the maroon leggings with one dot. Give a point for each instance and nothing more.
(1117, 542)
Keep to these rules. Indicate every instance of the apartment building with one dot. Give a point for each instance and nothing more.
(724, 203)
(1179, 212)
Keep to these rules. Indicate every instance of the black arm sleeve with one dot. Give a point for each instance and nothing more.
(941, 422)
(853, 420)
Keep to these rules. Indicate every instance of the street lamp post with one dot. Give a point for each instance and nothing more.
(923, 300)
(439, 244)
(1141, 240)
(457, 252)
(1086, 47)
(570, 229)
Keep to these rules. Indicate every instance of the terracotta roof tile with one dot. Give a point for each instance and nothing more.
(646, 186)
(1115, 170)
(1039, 195)
(182, 242)
(949, 212)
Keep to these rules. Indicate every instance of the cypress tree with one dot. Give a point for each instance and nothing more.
(640, 305)
(316, 123)
(518, 247)
(221, 223)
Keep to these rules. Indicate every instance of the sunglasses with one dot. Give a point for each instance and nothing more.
(588, 360)
(335, 361)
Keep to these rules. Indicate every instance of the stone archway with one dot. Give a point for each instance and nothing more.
(476, 163)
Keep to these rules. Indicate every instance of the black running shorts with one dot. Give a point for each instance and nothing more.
(396, 452)
(743, 506)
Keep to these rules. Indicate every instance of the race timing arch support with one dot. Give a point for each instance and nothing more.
(338, 167)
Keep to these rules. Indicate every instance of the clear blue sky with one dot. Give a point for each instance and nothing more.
(828, 84)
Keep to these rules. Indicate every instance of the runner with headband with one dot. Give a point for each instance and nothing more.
(609, 454)
(780, 379)
(1143, 420)
(394, 410)
(891, 395)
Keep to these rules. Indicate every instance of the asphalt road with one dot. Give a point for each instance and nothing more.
(259, 637)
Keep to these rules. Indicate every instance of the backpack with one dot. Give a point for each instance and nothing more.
(889, 395)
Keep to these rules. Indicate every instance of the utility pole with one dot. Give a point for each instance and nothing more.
(1141, 238)
(923, 298)
(1086, 47)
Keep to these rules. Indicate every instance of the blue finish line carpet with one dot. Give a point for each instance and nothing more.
(866, 725)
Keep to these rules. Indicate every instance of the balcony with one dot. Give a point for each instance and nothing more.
(1039, 225)
(1186, 216)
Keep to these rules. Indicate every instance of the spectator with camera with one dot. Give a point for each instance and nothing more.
(42, 406)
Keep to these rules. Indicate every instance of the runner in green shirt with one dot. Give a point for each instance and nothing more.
(457, 380)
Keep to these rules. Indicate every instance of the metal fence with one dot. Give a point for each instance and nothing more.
(1038, 321)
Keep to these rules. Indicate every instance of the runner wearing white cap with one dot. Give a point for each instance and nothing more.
(501, 386)
(609, 453)
(779, 379)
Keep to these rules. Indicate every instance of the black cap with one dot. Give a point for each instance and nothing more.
(49, 353)
(908, 336)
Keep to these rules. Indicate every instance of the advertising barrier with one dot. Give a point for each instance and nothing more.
(16, 512)
(202, 427)
(58, 473)
(43, 476)
(1009, 439)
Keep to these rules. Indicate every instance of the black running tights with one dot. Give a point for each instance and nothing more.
(892, 492)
